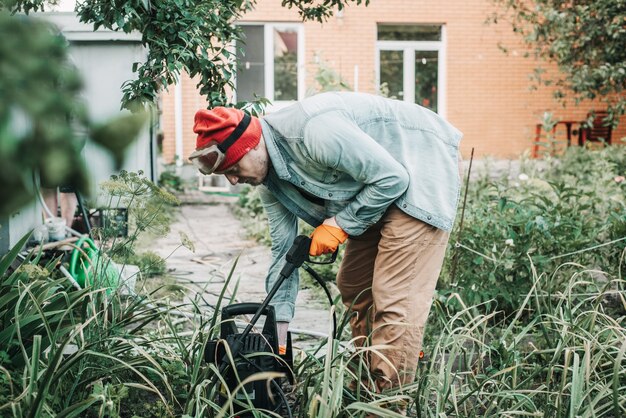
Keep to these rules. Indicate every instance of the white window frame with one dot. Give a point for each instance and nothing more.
(409, 48)
(268, 48)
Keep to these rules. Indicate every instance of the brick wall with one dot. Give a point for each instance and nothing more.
(488, 92)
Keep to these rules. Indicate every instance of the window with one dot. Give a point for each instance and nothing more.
(270, 62)
(411, 63)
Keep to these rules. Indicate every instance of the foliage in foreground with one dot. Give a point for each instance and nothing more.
(92, 353)
(41, 110)
(85, 353)
(568, 360)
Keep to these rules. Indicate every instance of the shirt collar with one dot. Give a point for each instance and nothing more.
(278, 162)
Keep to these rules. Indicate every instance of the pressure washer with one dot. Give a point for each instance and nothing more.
(240, 355)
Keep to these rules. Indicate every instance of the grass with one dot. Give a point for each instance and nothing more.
(524, 329)
(559, 355)
(560, 352)
(83, 353)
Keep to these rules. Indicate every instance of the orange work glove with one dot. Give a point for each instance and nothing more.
(325, 239)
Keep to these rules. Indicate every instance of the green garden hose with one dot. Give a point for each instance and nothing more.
(90, 268)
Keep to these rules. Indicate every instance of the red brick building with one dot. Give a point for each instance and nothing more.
(440, 54)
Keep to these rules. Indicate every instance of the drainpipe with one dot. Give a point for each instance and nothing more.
(178, 123)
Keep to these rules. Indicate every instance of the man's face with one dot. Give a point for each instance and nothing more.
(251, 169)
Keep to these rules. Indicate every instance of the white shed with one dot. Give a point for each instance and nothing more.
(105, 59)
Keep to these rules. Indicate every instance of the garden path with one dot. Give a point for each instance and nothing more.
(219, 238)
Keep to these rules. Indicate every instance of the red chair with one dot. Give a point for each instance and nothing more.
(600, 130)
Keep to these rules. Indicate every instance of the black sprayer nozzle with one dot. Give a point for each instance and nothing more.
(297, 254)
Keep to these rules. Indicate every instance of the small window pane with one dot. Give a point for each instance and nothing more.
(392, 74)
(426, 63)
(285, 64)
(391, 32)
(250, 64)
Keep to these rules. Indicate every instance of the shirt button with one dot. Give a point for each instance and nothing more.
(330, 195)
(404, 206)
(429, 217)
(301, 183)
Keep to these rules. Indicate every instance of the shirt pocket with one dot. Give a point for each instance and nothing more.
(331, 176)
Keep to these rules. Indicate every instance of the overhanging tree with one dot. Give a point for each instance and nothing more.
(586, 39)
(39, 89)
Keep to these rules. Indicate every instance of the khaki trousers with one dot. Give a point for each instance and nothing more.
(387, 278)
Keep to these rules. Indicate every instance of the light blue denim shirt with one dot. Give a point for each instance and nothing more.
(357, 153)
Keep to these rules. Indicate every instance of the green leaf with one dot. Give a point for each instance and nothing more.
(10, 257)
(117, 134)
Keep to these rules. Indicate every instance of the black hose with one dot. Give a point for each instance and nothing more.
(321, 282)
(83, 211)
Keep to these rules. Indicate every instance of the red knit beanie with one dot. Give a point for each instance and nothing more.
(217, 124)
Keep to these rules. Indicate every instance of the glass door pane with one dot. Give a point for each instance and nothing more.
(426, 70)
(285, 64)
(250, 64)
(392, 74)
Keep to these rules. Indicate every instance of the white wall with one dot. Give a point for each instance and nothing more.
(105, 60)
(63, 6)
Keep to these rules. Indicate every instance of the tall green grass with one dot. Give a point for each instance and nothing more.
(532, 323)
(81, 353)
(559, 355)
(91, 353)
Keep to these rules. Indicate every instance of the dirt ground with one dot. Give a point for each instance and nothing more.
(219, 238)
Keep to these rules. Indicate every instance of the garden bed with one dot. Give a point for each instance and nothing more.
(524, 327)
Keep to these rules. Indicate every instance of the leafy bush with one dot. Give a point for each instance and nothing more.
(68, 352)
(149, 214)
(171, 181)
(561, 210)
(150, 263)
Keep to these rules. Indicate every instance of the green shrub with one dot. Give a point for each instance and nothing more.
(171, 181)
(150, 263)
(150, 213)
(562, 210)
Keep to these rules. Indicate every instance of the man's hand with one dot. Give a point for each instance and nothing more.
(326, 238)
